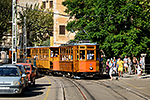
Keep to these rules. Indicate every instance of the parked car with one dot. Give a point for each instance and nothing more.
(32, 72)
(25, 73)
(11, 80)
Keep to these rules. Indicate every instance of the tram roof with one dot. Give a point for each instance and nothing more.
(75, 44)
(43, 47)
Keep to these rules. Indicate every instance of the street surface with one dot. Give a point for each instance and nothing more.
(60, 88)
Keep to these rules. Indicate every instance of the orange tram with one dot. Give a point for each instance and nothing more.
(74, 59)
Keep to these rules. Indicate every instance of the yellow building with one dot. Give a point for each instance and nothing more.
(60, 34)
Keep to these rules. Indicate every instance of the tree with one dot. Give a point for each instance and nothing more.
(39, 24)
(121, 27)
(5, 17)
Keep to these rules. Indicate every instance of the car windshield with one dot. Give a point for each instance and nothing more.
(21, 68)
(27, 67)
(8, 71)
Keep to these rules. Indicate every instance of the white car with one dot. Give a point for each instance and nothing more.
(11, 80)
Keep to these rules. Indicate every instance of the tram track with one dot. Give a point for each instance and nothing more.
(62, 89)
(110, 83)
(108, 86)
(79, 86)
(140, 93)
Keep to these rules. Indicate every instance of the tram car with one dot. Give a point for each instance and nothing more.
(73, 59)
(42, 57)
(81, 59)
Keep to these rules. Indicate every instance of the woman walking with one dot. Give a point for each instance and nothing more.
(107, 66)
(138, 68)
(120, 68)
(130, 64)
(111, 65)
(134, 65)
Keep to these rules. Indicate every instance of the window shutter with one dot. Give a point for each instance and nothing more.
(62, 29)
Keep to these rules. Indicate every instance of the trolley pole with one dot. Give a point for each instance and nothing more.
(25, 40)
(14, 32)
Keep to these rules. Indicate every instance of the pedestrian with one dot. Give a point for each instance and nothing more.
(107, 66)
(110, 69)
(101, 61)
(101, 65)
(138, 68)
(115, 65)
(134, 65)
(142, 65)
(129, 67)
(120, 68)
(125, 63)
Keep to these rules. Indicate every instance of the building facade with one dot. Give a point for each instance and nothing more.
(60, 34)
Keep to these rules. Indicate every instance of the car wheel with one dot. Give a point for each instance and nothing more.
(34, 83)
(29, 84)
(22, 93)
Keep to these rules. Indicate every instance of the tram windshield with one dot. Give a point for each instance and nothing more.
(90, 55)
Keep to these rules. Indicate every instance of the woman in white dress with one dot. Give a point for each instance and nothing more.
(130, 64)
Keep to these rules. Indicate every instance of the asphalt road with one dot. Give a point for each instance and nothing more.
(61, 88)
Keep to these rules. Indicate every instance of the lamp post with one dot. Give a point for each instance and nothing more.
(14, 35)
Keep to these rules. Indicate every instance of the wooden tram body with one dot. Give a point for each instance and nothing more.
(74, 59)
(42, 58)
(81, 59)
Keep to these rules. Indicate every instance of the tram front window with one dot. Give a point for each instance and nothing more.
(90, 55)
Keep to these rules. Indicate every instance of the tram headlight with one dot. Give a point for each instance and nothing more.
(91, 68)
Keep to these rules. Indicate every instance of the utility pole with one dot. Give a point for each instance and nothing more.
(25, 40)
(14, 32)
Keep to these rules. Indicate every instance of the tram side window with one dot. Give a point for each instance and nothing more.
(82, 54)
(54, 53)
(90, 55)
(97, 54)
(71, 57)
(77, 55)
(64, 58)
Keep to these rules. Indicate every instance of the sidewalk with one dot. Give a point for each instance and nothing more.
(134, 76)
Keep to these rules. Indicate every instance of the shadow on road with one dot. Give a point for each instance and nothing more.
(30, 92)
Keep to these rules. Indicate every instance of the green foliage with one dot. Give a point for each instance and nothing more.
(5, 17)
(39, 25)
(121, 27)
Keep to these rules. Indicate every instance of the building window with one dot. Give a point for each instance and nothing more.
(51, 4)
(43, 4)
(62, 29)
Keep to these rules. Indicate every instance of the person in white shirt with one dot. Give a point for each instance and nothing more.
(125, 63)
(129, 67)
(142, 64)
(138, 68)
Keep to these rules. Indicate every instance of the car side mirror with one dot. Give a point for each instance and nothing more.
(23, 75)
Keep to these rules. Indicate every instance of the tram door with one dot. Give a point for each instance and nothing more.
(75, 59)
(54, 59)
